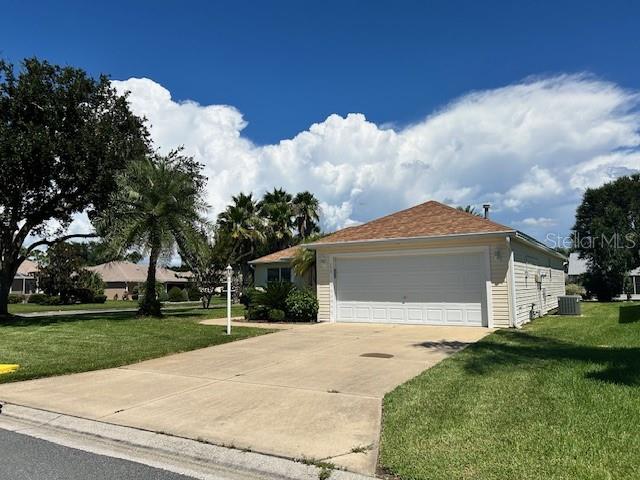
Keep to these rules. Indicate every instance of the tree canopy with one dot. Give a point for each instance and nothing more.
(63, 137)
(607, 234)
(249, 228)
(155, 207)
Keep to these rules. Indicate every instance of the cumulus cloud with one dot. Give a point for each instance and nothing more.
(537, 222)
(530, 149)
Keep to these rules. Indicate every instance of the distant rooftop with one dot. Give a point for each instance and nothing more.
(135, 273)
(578, 266)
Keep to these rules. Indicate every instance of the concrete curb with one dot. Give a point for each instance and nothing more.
(176, 454)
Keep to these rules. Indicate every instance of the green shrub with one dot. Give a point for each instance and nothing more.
(161, 292)
(52, 300)
(276, 315)
(16, 298)
(193, 293)
(84, 295)
(38, 298)
(575, 289)
(91, 281)
(274, 296)
(177, 294)
(301, 305)
(99, 299)
(247, 295)
(257, 312)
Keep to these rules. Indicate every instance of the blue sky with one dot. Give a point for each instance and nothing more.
(284, 66)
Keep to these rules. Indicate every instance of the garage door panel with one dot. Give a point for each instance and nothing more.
(396, 314)
(454, 315)
(345, 312)
(363, 313)
(425, 289)
(415, 315)
(474, 316)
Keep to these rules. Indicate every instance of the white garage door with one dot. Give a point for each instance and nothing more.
(423, 289)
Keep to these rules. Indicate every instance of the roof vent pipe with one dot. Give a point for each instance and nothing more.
(486, 208)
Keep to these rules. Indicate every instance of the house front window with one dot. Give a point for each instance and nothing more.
(285, 275)
(273, 275)
(278, 274)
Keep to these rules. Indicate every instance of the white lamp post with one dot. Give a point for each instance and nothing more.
(229, 273)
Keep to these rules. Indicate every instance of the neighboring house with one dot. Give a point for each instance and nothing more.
(25, 280)
(579, 266)
(576, 268)
(276, 267)
(122, 277)
(433, 264)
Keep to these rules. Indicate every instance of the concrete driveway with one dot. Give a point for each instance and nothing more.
(311, 391)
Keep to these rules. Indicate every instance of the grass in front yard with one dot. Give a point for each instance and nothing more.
(559, 399)
(46, 346)
(18, 308)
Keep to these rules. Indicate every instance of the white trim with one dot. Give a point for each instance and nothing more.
(512, 287)
(333, 294)
(258, 261)
(404, 240)
(533, 243)
(485, 250)
(414, 252)
(488, 287)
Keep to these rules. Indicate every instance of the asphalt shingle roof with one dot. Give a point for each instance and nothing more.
(430, 219)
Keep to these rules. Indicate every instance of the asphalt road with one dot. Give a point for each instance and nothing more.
(27, 458)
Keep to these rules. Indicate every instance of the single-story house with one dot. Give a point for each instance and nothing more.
(578, 267)
(431, 264)
(276, 267)
(122, 277)
(25, 281)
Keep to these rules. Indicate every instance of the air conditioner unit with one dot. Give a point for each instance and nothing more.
(569, 305)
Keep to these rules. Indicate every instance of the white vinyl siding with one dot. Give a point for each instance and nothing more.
(530, 295)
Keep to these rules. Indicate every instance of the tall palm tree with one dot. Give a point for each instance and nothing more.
(276, 211)
(306, 212)
(158, 202)
(470, 209)
(241, 229)
(278, 196)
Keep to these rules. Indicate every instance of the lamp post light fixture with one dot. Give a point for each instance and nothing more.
(229, 274)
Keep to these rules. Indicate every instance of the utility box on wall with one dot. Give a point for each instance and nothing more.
(569, 305)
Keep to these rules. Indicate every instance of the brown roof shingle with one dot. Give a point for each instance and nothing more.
(121, 271)
(430, 219)
(278, 256)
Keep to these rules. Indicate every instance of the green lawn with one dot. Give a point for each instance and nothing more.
(18, 308)
(559, 399)
(46, 346)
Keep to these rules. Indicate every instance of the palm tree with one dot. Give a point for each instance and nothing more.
(241, 229)
(158, 201)
(306, 211)
(469, 209)
(304, 260)
(276, 211)
(278, 196)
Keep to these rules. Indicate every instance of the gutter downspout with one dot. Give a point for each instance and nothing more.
(513, 321)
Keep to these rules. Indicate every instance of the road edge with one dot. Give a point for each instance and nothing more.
(179, 455)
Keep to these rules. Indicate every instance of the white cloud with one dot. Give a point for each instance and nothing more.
(529, 148)
(538, 184)
(537, 222)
